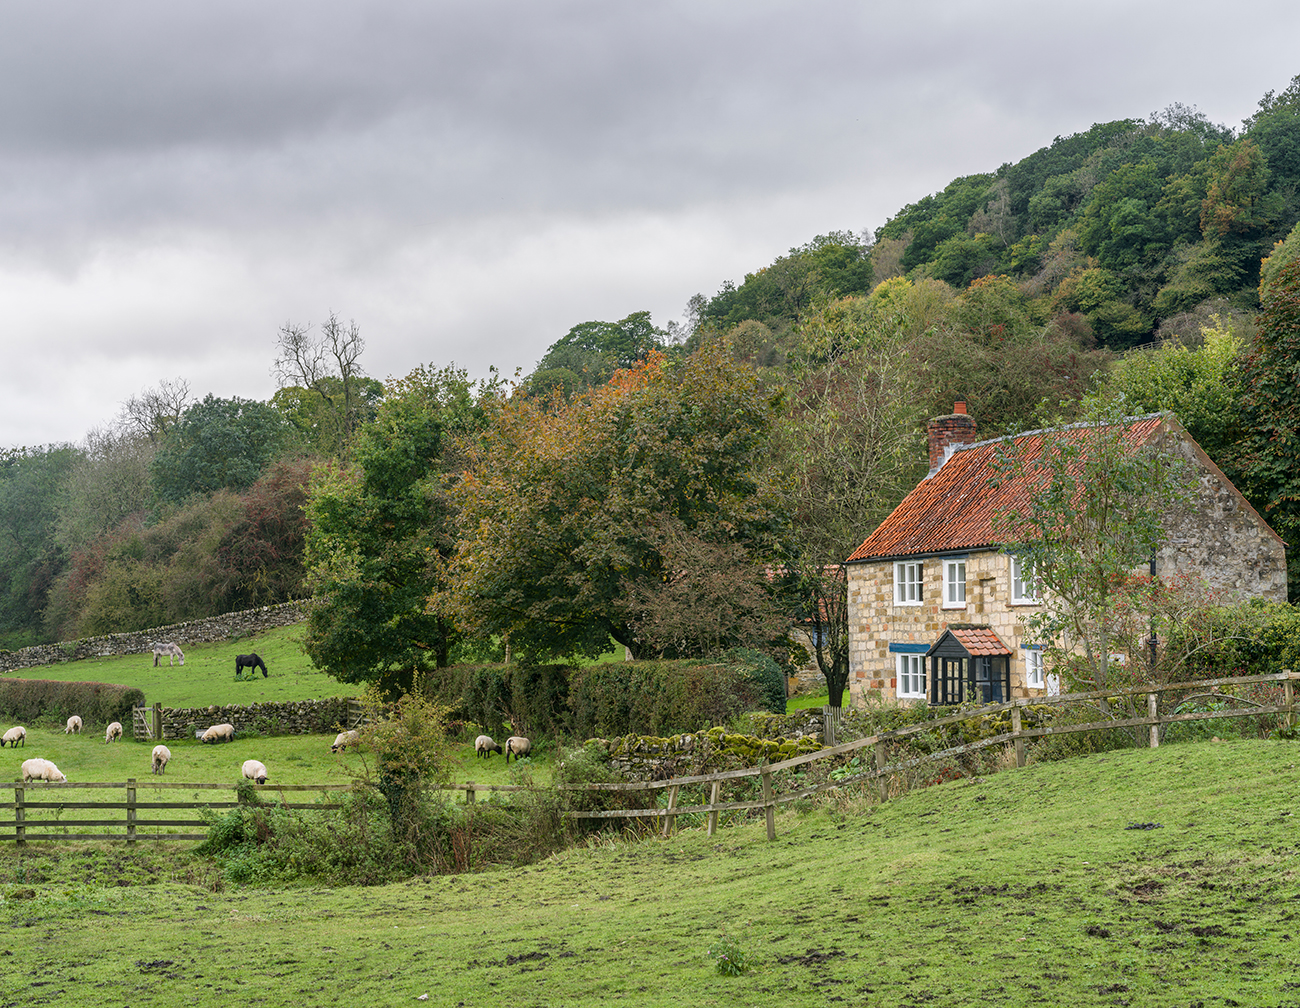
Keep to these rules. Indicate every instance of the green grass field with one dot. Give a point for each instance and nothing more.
(208, 675)
(1028, 887)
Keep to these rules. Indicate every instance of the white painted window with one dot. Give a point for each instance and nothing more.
(1024, 587)
(954, 584)
(907, 582)
(910, 669)
(1034, 678)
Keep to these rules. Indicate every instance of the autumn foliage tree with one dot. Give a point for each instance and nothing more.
(582, 521)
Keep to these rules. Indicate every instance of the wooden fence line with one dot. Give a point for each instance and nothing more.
(770, 800)
(883, 769)
(132, 806)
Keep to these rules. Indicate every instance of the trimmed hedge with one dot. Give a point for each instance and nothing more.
(668, 697)
(533, 699)
(611, 698)
(26, 700)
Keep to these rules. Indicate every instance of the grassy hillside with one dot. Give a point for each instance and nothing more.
(208, 676)
(1028, 887)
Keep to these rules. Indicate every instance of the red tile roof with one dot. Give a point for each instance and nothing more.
(954, 509)
(980, 641)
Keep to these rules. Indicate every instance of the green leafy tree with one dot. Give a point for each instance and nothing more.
(592, 351)
(1198, 385)
(566, 506)
(30, 557)
(381, 528)
(848, 449)
(1094, 510)
(218, 444)
(1270, 414)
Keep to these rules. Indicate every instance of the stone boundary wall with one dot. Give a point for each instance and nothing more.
(645, 758)
(300, 717)
(200, 631)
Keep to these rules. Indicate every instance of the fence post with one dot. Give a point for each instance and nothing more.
(713, 800)
(130, 810)
(1288, 697)
(20, 830)
(670, 819)
(157, 720)
(1152, 716)
(882, 785)
(769, 804)
(469, 792)
(1019, 743)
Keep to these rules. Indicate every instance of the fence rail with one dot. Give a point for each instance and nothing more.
(1014, 739)
(26, 800)
(666, 817)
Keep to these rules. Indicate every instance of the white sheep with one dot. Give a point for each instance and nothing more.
(219, 733)
(518, 745)
(345, 739)
(73, 726)
(13, 736)
(161, 754)
(112, 732)
(485, 747)
(255, 771)
(42, 769)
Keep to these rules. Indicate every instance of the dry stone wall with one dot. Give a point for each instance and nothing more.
(302, 717)
(200, 631)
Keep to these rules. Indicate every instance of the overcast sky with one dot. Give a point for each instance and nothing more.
(469, 180)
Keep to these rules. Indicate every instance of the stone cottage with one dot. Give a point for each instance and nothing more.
(932, 602)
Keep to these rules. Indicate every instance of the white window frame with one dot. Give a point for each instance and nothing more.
(1024, 589)
(1035, 678)
(954, 583)
(909, 580)
(909, 670)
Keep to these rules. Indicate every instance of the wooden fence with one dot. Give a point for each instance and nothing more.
(42, 796)
(880, 743)
(666, 817)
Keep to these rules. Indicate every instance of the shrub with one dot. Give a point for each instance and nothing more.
(664, 697)
(531, 699)
(27, 700)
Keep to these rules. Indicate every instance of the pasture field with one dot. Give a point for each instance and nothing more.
(1153, 878)
(208, 675)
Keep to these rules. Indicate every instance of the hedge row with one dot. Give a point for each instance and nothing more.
(26, 700)
(611, 698)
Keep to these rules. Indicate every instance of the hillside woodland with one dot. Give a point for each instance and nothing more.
(688, 489)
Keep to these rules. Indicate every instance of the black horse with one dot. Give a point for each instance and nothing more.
(251, 662)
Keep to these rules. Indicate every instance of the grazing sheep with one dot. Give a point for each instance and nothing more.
(114, 731)
(345, 739)
(13, 736)
(172, 651)
(255, 771)
(485, 747)
(518, 745)
(74, 726)
(161, 754)
(219, 733)
(42, 769)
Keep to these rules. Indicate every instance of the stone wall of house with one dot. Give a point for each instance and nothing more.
(212, 628)
(876, 621)
(301, 717)
(1221, 537)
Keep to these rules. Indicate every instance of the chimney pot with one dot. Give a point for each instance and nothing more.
(959, 407)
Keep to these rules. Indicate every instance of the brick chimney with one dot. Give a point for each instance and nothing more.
(946, 433)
